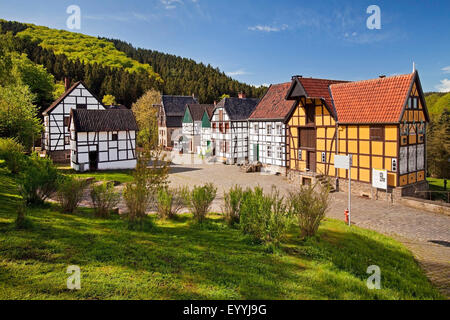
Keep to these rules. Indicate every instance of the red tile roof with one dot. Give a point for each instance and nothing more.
(372, 101)
(319, 88)
(274, 104)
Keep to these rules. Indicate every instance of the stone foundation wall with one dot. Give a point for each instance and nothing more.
(60, 156)
(363, 189)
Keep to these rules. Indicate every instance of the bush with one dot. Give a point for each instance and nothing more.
(148, 179)
(169, 202)
(264, 217)
(13, 153)
(70, 193)
(137, 199)
(232, 205)
(309, 205)
(199, 200)
(104, 199)
(38, 180)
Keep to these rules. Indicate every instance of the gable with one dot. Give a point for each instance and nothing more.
(187, 116)
(205, 121)
(415, 108)
(78, 94)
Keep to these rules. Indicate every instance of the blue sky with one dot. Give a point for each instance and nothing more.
(263, 42)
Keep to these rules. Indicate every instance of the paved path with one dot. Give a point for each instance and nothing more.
(426, 234)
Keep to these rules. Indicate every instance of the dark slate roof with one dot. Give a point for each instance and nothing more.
(238, 109)
(175, 106)
(120, 106)
(198, 110)
(103, 120)
(174, 122)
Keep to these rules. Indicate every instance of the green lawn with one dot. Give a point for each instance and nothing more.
(121, 176)
(179, 260)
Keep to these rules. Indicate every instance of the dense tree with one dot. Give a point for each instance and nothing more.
(18, 115)
(146, 117)
(35, 76)
(438, 145)
(109, 100)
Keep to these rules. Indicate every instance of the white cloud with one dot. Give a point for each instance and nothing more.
(444, 86)
(446, 69)
(171, 4)
(268, 28)
(240, 72)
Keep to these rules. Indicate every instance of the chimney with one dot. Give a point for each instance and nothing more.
(382, 76)
(241, 95)
(66, 83)
(295, 77)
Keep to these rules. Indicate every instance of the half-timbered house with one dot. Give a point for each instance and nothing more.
(170, 118)
(102, 139)
(381, 123)
(192, 125)
(267, 129)
(56, 137)
(206, 133)
(230, 129)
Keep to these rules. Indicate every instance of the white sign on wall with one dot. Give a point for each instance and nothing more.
(379, 179)
(342, 162)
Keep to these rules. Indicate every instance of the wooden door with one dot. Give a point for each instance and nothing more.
(311, 163)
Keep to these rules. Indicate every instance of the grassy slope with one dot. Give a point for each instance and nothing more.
(77, 46)
(178, 260)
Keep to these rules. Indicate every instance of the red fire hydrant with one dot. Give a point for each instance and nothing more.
(346, 216)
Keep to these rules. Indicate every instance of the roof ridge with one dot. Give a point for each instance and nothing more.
(371, 80)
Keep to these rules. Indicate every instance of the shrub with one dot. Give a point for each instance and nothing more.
(199, 200)
(13, 153)
(169, 202)
(137, 199)
(151, 175)
(309, 205)
(70, 193)
(104, 199)
(264, 217)
(38, 180)
(232, 205)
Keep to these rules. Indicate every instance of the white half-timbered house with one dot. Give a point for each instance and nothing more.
(206, 133)
(267, 129)
(103, 139)
(230, 129)
(56, 137)
(192, 125)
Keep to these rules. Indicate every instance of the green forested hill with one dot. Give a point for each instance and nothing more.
(115, 67)
(185, 76)
(437, 102)
(87, 49)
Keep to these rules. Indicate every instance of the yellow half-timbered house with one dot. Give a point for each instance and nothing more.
(380, 122)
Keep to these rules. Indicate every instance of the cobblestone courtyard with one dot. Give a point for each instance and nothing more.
(426, 234)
